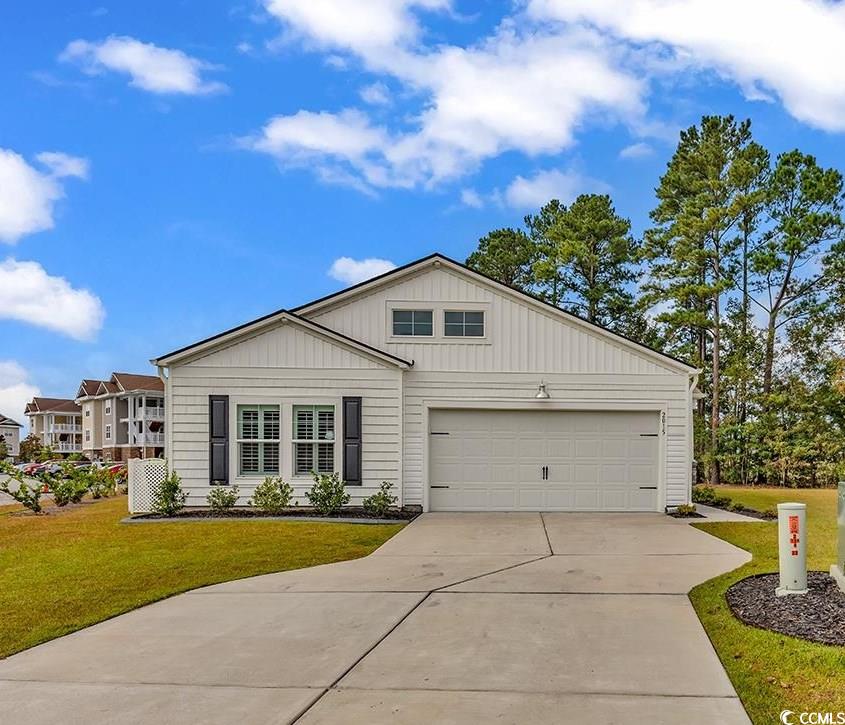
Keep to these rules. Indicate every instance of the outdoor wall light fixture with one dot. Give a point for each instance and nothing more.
(542, 393)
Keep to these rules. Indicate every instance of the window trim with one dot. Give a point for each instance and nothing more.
(413, 322)
(107, 432)
(439, 308)
(260, 441)
(464, 311)
(314, 442)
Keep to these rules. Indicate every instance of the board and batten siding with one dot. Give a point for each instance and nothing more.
(521, 337)
(287, 367)
(667, 393)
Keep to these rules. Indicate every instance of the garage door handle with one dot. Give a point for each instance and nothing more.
(648, 488)
(439, 486)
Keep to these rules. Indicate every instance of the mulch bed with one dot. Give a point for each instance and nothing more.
(246, 513)
(818, 616)
(693, 515)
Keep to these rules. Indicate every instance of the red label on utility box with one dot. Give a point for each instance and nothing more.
(793, 524)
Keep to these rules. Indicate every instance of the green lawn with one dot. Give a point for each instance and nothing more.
(64, 571)
(772, 672)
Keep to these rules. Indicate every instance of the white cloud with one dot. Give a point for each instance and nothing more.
(376, 94)
(636, 151)
(28, 196)
(31, 295)
(62, 165)
(471, 198)
(372, 29)
(353, 271)
(794, 49)
(479, 102)
(15, 390)
(151, 68)
(544, 186)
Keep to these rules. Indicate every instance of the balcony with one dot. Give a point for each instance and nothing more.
(65, 428)
(149, 439)
(151, 413)
(66, 447)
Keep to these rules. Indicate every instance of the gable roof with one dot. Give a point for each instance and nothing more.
(435, 259)
(52, 405)
(127, 382)
(8, 422)
(88, 387)
(107, 387)
(299, 315)
(275, 318)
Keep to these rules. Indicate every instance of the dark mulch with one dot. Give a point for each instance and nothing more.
(693, 515)
(248, 513)
(818, 616)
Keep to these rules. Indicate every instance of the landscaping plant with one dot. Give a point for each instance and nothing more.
(222, 498)
(328, 494)
(24, 494)
(380, 502)
(272, 496)
(101, 482)
(169, 499)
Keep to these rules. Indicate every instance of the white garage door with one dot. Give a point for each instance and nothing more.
(505, 460)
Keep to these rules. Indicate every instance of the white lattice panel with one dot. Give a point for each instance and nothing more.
(145, 478)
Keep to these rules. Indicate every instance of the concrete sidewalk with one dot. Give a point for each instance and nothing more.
(460, 618)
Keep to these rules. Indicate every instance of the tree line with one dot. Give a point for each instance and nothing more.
(741, 272)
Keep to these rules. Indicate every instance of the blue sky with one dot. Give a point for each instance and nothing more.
(171, 169)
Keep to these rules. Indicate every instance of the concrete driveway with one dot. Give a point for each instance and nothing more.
(460, 618)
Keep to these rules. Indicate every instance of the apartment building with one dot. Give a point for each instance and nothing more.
(57, 422)
(122, 417)
(10, 434)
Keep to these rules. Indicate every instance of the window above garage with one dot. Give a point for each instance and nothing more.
(464, 323)
(413, 323)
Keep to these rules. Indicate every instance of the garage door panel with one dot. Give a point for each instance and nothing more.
(494, 460)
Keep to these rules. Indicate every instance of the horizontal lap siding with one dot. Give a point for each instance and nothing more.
(189, 387)
(478, 387)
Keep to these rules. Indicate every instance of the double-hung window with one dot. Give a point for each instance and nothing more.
(464, 324)
(413, 323)
(313, 439)
(258, 440)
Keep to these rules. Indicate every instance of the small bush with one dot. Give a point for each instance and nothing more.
(770, 513)
(169, 499)
(272, 495)
(722, 502)
(736, 506)
(703, 494)
(101, 483)
(24, 494)
(222, 498)
(380, 502)
(328, 494)
(69, 485)
(685, 509)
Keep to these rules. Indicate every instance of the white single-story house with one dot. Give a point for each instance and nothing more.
(465, 394)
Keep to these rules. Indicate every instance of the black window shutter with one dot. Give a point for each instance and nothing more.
(218, 439)
(352, 441)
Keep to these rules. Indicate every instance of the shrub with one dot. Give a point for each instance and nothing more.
(722, 502)
(380, 502)
(770, 513)
(685, 509)
(169, 499)
(272, 495)
(101, 482)
(328, 494)
(703, 494)
(24, 494)
(736, 506)
(222, 498)
(69, 485)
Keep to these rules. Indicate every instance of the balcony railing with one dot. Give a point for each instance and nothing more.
(151, 413)
(65, 428)
(67, 447)
(149, 439)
